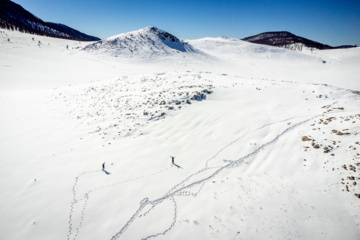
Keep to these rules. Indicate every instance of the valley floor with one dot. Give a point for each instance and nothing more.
(264, 147)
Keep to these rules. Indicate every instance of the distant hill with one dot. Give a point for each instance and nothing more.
(289, 41)
(144, 42)
(15, 17)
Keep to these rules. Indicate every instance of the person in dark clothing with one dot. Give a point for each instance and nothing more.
(172, 159)
(103, 166)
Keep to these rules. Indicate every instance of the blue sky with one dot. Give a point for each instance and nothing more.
(333, 22)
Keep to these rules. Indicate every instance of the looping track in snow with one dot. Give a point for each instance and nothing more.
(85, 198)
(181, 189)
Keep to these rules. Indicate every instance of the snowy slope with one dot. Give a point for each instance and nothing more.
(333, 67)
(260, 155)
(230, 47)
(144, 42)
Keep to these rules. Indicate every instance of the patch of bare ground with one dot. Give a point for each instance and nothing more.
(337, 137)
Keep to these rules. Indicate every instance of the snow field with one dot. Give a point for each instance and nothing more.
(266, 136)
(246, 170)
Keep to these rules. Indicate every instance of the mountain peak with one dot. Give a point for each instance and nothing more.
(145, 41)
(154, 31)
(151, 28)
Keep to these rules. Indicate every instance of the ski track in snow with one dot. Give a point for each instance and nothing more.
(181, 189)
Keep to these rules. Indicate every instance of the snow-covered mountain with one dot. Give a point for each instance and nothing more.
(287, 40)
(15, 17)
(144, 42)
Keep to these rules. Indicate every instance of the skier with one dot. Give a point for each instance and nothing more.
(172, 159)
(103, 166)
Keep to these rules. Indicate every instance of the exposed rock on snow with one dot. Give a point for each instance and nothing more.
(341, 156)
(121, 107)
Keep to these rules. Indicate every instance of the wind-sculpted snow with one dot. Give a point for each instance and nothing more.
(120, 107)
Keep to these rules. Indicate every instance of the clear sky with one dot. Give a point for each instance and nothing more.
(333, 22)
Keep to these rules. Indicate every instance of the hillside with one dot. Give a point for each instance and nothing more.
(287, 40)
(144, 42)
(15, 17)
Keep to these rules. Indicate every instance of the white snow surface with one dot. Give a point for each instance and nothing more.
(265, 140)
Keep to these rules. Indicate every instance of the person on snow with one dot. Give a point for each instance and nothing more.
(103, 166)
(172, 159)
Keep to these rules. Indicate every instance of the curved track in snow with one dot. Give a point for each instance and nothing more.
(180, 189)
(183, 188)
